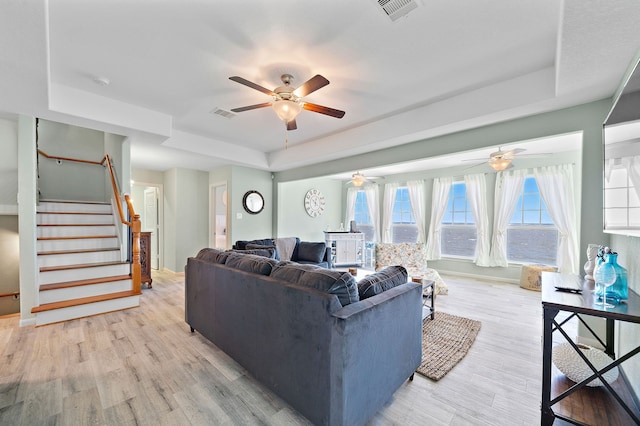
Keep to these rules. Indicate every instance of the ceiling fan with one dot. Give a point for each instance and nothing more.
(287, 101)
(499, 160)
(358, 179)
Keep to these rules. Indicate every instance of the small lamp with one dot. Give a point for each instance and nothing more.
(287, 110)
(500, 164)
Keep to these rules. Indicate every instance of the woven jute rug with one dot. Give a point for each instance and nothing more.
(445, 341)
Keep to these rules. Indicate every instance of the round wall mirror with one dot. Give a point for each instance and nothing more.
(253, 202)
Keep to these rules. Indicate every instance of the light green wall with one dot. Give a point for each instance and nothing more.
(9, 264)
(8, 166)
(242, 225)
(60, 181)
(293, 220)
(627, 336)
(186, 211)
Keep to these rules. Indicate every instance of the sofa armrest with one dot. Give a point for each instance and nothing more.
(377, 346)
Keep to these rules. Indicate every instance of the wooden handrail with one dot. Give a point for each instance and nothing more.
(134, 224)
(53, 157)
(11, 294)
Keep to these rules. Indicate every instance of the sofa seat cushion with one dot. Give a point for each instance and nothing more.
(340, 283)
(310, 252)
(251, 263)
(380, 281)
(212, 255)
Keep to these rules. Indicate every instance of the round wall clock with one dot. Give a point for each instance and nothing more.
(314, 203)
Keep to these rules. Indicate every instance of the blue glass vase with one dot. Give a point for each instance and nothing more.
(619, 290)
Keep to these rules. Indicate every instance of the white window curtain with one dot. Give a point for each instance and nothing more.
(509, 186)
(441, 188)
(415, 188)
(387, 212)
(632, 164)
(371, 192)
(556, 189)
(350, 214)
(476, 186)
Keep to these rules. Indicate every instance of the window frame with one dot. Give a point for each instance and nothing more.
(467, 224)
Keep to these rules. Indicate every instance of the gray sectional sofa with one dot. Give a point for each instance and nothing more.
(304, 333)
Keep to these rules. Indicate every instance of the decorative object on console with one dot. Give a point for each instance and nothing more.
(567, 360)
(253, 202)
(619, 290)
(592, 253)
(314, 203)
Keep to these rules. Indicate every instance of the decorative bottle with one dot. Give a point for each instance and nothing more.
(619, 290)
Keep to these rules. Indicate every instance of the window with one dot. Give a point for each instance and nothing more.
(531, 235)
(621, 202)
(458, 235)
(362, 218)
(403, 227)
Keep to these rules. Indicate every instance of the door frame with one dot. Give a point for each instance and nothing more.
(212, 212)
(160, 218)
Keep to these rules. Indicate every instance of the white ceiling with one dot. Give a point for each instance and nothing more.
(445, 67)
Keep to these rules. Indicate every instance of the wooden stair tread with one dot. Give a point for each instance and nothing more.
(45, 253)
(77, 237)
(84, 265)
(78, 283)
(82, 301)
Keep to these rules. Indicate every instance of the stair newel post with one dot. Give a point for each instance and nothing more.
(136, 269)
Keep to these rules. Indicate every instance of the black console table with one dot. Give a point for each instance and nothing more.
(577, 304)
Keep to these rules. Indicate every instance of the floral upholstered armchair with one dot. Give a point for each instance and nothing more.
(413, 257)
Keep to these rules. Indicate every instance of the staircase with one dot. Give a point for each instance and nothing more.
(81, 271)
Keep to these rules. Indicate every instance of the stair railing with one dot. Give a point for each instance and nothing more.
(134, 223)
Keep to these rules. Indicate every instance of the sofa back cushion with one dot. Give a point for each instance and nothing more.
(212, 255)
(382, 280)
(242, 244)
(251, 263)
(311, 252)
(340, 283)
(273, 251)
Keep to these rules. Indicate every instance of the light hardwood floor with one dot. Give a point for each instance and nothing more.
(143, 366)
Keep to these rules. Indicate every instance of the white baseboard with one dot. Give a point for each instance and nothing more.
(479, 277)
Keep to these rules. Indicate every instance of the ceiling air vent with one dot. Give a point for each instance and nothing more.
(396, 9)
(223, 113)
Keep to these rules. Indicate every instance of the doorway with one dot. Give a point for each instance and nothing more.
(218, 223)
(147, 202)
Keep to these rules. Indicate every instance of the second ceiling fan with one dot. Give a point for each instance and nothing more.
(287, 101)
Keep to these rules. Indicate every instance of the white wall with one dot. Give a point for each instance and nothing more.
(9, 167)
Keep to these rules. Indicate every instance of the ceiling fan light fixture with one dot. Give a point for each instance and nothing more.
(500, 164)
(358, 180)
(286, 110)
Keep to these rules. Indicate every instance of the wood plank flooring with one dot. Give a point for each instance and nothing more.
(143, 366)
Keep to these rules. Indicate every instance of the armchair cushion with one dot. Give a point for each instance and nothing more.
(311, 252)
(380, 281)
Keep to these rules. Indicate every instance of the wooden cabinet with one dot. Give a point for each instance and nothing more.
(347, 248)
(145, 257)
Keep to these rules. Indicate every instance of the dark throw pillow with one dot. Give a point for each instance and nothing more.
(251, 246)
(340, 283)
(311, 252)
(383, 280)
(250, 262)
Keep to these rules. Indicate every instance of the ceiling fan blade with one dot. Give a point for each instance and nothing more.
(316, 82)
(323, 110)
(250, 107)
(251, 84)
(291, 125)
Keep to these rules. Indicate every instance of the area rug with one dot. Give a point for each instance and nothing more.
(445, 341)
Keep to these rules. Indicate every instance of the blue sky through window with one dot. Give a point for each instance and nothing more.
(362, 210)
(402, 207)
(531, 209)
(458, 209)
